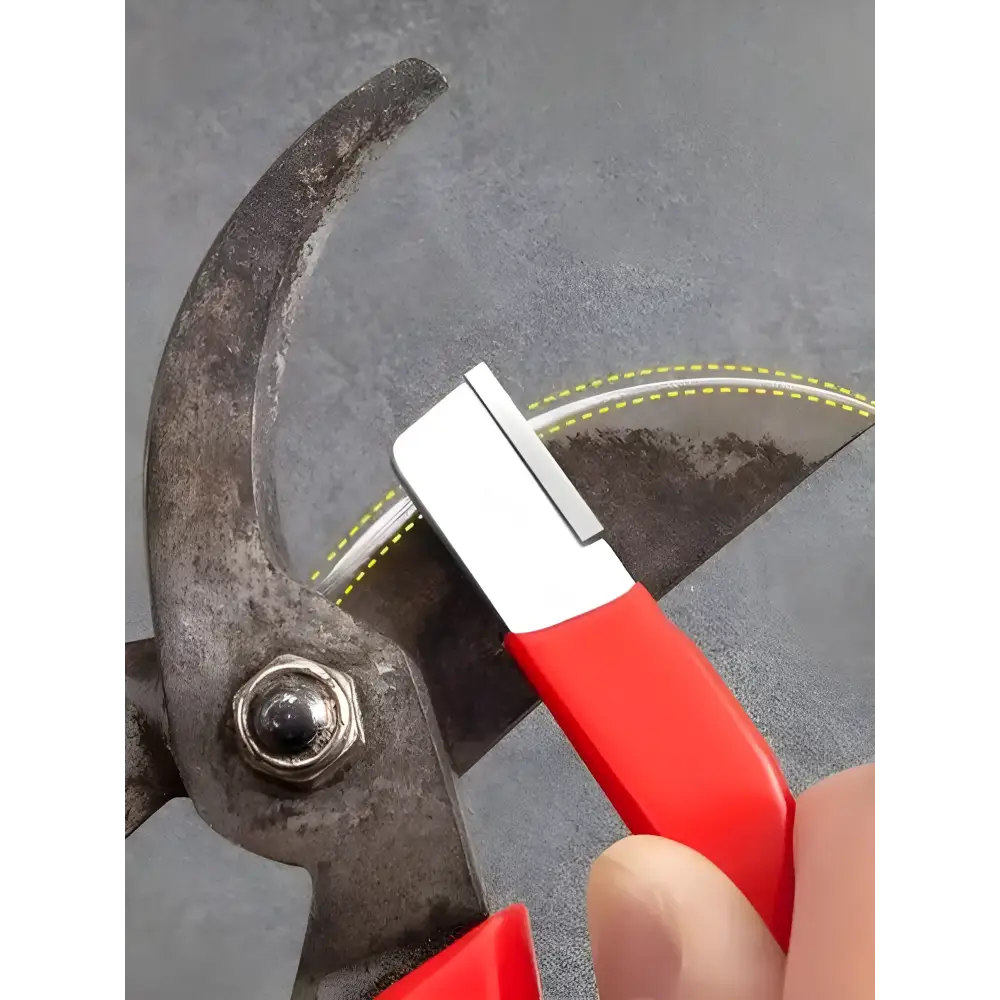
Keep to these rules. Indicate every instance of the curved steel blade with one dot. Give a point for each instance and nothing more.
(384, 843)
(673, 479)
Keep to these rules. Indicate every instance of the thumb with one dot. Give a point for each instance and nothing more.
(666, 924)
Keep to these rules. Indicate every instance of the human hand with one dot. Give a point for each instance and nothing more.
(666, 924)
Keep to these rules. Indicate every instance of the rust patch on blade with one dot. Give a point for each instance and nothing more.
(667, 502)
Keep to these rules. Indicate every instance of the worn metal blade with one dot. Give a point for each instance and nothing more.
(384, 842)
(671, 485)
(151, 777)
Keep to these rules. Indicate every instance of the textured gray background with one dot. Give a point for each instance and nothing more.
(605, 184)
(193, 913)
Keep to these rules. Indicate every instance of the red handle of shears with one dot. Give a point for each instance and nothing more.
(672, 749)
(668, 742)
(494, 961)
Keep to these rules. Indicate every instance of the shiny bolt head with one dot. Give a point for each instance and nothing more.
(298, 720)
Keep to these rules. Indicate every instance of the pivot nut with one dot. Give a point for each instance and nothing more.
(298, 720)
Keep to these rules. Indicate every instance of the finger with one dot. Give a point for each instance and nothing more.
(666, 924)
(831, 955)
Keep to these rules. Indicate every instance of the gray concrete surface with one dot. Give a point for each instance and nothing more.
(194, 923)
(605, 184)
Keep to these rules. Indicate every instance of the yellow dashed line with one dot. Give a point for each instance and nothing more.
(372, 562)
(315, 576)
(596, 383)
(364, 519)
(664, 369)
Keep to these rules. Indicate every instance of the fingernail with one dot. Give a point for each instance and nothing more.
(633, 939)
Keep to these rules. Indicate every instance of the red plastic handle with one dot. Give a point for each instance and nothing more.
(495, 961)
(672, 748)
